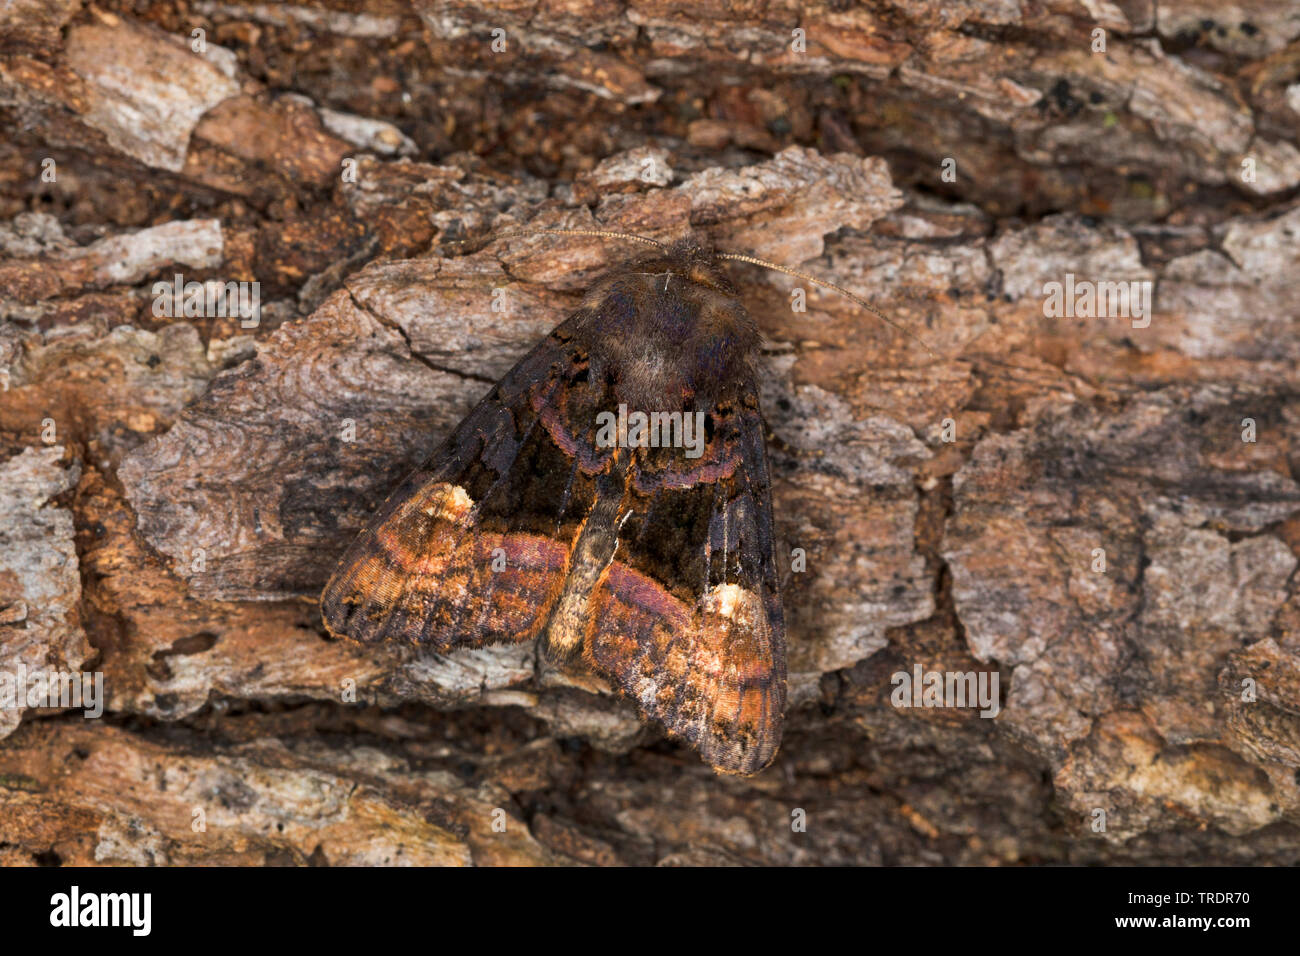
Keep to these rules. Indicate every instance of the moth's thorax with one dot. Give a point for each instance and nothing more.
(673, 325)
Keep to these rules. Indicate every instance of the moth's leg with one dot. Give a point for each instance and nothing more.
(593, 552)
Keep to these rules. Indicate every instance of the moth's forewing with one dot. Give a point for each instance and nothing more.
(473, 547)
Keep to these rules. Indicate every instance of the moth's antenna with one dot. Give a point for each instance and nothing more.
(753, 260)
(604, 234)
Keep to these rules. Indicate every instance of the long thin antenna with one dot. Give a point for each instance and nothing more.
(754, 260)
(604, 234)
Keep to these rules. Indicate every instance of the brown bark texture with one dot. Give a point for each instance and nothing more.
(1100, 510)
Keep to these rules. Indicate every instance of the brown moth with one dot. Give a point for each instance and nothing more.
(610, 498)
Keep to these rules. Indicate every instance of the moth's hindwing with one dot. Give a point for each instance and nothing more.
(653, 568)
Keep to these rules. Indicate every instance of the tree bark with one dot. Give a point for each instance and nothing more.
(1101, 510)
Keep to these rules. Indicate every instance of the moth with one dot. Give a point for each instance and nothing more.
(610, 498)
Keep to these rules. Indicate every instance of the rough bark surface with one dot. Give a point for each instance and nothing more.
(174, 490)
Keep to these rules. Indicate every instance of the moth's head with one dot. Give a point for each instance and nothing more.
(698, 263)
(672, 324)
